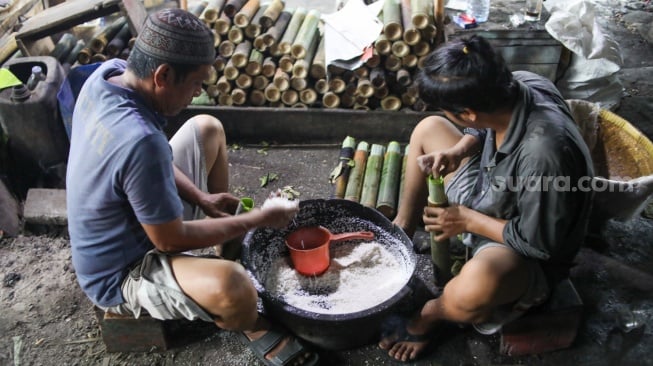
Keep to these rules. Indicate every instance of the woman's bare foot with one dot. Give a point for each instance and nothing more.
(407, 342)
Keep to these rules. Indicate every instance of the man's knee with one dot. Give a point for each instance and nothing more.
(208, 125)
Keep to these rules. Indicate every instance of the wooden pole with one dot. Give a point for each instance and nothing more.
(386, 202)
(355, 182)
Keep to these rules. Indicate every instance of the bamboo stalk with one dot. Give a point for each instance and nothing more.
(259, 43)
(222, 24)
(289, 97)
(301, 66)
(391, 103)
(212, 90)
(377, 77)
(407, 99)
(274, 33)
(308, 96)
(331, 100)
(321, 86)
(362, 72)
(364, 88)
(253, 28)
(438, 15)
(217, 39)
(119, 41)
(421, 48)
(276, 104)
(340, 175)
(298, 83)
(212, 10)
(239, 96)
(361, 100)
(226, 48)
(374, 60)
(383, 45)
(256, 97)
(291, 30)
(100, 40)
(225, 99)
(260, 82)
(269, 67)
(400, 48)
(299, 105)
(219, 63)
(347, 100)
(361, 107)
(271, 14)
(386, 201)
(241, 54)
(281, 80)
(286, 63)
(272, 93)
(439, 248)
(411, 34)
(232, 7)
(403, 77)
(84, 56)
(372, 176)
(73, 55)
(409, 61)
(337, 84)
(253, 66)
(198, 8)
(213, 76)
(318, 66)
(243, 81)
(355, 182)
(381, 92)
(98, 57)
(429, 32)
(63, 47)
(422, 13)
(392, 27)
(224, 85)
(392, 63)
(230, 71)
(235, 34)
(306, 34)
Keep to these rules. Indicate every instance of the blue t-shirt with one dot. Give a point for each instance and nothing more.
(120, 174)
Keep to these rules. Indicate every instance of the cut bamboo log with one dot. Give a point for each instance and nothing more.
(212, 10)
(364, 88)
(74, 53)
(269, 67)
(276, 104)
(98, 57)
(422, 13)
(271, 14)
(219, 63)
(392, 63)
(260, 82)
(429, 33)
(239, 96)
(440, 256)
(381, 92)
(84, 56)
(259, 43)
(361, 107)
(374, 60)
(290, 33)
(355, 181)
(403, 77)
(299, 105)
(409, 61)
(222, 24)
(301, 66)
(224, 85)
(213, 76)
(217, 39)
(246, 13)
(308, 96)
(230, 71)
(340, 174)
(281, 80)
(225, 100)
(289, 97)
(226, 48)
(197, 9)
(318, 66)
(422, 48)
(119, 41)
(420, 61)
(306, 34)
(407, 99)
(272, 93)
(347, 100)
(400, 48)
(392, 27)
(330, 100)
(372, 176)
(241, 54)
(235, 34)
(102, 38)
(253, 28)
(275, 32)
(391, 103)
(243, 81)
(362, 72)
(361, 100)
(377, 77)
(321, 86)
(337, 84)
(231, 7)
(257, 97)
(298, 83)
(383, 45)
(411, 34)
(212, 91)
(253, 66)
(286, 63)
(63, 47)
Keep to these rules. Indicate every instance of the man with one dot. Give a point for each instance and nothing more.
(514, 182)
(129, 227)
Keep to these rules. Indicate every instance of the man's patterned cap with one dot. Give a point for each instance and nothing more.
(176, 36)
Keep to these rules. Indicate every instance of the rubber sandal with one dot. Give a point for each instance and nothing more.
(262, 346)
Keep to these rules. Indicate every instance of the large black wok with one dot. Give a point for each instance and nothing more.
(331, 331)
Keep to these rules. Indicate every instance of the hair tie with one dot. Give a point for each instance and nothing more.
(465, 50)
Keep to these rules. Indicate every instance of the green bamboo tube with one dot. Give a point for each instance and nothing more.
(302, 66)
(260, 82)
(269, 67)
(422, 13)
(372, 177)
(273, 34)
(271, 14)
(383, 45)
(306, 34)
(241, 54)
(318, 66)
(402, 179)
(290, 33)
(386, 201)
(212, 10)
(253, 66)
(355, 181)
(392, 27)
(253, 29)
(330, 100)
(231, 7)
(439, 249)
(340, 175)
(63, 47)
(257, 97)
(222, 24)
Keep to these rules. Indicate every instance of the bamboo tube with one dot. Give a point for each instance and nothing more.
(198, 8)
(271, 14)
(253, 66)
(73, 55)
(392, 27)
(422, 13)
(224, 85)
(438, 15)
(306, 35)
(400, 48)
(365, 88)
(373, 61)
(84, 56)
(391, 103)
(260, 82)
(100, 40)
(213, 76)
(337, 84)
(269, 67)
(63, 47)
(298, 83)
(241, 54)
(392, 63)
(347, 100)
(286, 63)
(289, 97)
(275, 50)
(219, 63)
(244, 81)
(259, 43)
(226, 48)
(225, 99)
(256, 97)
(361, 107)
(308, 96)
(318, 67)
(276, 104)
(407, 99)
(381, 92)
(386, 201)
(409, 61)
(272, 93)
(275, 32)
(420, 61)
(299, 105)
(413, 89)
(403, 77)
(301, 67)
(232, 7)
(246, 13)
(362, 72)
(212, 10)
(239, 96)
(98, 57)
(402, 178)
(439, 248)
(331, 100)
(411, 34)
(382, 45)
(217, 39)
(361, 100)
(222, 24)
(235, 34)
(377, 77)
(281, 80)
(290, 33)
(350, 88)
(253, 28)
(421, 48)
(355, 182)
(429, 33)
(230, 71)
(321, 86)
(340, 174)
(372, 176)
(212, 91)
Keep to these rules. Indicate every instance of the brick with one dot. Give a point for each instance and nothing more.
(127, 334)
(550, 327)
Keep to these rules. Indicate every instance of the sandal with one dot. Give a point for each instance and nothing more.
(266, 343)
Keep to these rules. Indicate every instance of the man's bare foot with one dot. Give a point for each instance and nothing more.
(406, 343)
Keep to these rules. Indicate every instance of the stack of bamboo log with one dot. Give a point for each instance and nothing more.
(370, 175)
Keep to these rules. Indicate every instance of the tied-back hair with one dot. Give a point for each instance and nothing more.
(466, 73)
(143, 65)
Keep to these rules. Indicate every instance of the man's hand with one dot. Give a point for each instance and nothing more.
(279, 216)
(218, 204)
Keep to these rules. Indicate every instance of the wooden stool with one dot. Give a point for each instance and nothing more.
(127, 334)
(549, 327)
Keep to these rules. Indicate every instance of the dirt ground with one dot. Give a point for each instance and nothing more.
(45, 319)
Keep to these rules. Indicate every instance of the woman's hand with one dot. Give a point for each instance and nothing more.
(446, 221)
(440, 162)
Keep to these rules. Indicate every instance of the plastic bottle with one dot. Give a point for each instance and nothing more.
(479, 9)
(37, 75)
